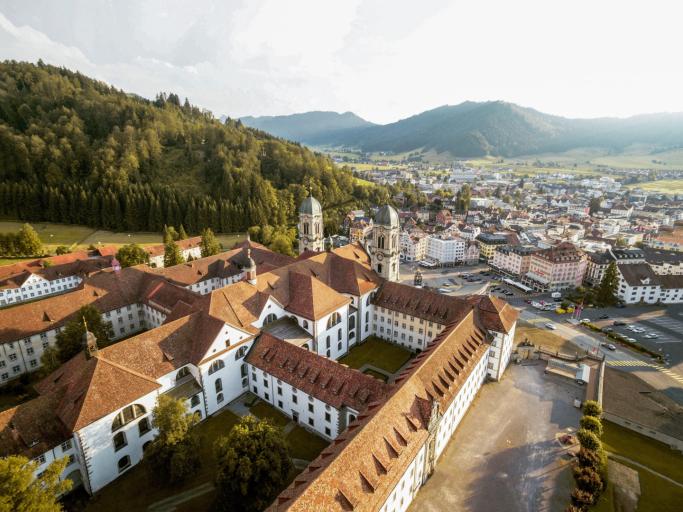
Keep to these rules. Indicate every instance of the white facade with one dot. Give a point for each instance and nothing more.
(413, 246)
(446, 251)
(36, 287)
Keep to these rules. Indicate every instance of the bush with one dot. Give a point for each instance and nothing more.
(574, 508)
(596, 460)
(582, 499)
(592, 408)
(592, 424)
(587, 479)
(589, 440)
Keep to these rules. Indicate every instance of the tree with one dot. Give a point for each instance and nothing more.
(594, 205)
(70, 340)
(621, 242)
(50, 360)
(582, 499)
(592, 408)
(172, 254)
(253, 464)
(209, 244)
(29, 242)
(607, 291)
(62, 249)
(170, 234)
(174, 454)
(182, 235)
(587, 479)
(282, 244)
(589, 440)
(592, 424)
(132, 254)
(21, 492)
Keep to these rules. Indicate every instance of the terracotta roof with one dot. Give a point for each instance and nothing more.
(86, 390)
(32, 428)
(73, 264)
(323, 378)
(188, 243)
(360, 469)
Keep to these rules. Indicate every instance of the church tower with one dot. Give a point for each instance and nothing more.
(384, 250)
(311, 226)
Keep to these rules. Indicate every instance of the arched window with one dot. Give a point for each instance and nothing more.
(339, 335)
(379, 268)
(352, 322)
(215, 366)
(306, 228)
(367, 316)
(182, 373)
(119, 441)
(380, 242)
(305, 324)
(241, 352)
(127, 415)
(219, 385)
(270, 319)
(334, 319)
(367, 301)
(143, 426)
(194, 402)
(243, 370)
(219, 398)
(327, 342)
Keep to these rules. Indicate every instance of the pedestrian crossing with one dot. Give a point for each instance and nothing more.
(645, 364)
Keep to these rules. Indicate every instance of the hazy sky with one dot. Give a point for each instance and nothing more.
(383, 59)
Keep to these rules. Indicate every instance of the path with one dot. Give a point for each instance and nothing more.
(170, 504)
(641, 466)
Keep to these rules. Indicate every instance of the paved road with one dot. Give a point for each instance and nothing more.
(504, 455)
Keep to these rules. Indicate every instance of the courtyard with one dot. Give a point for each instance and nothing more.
(505, 454)
(377, 357)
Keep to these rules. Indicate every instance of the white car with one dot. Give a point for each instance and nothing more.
(651, 336)
(632, 340)
(585, 320)
(550, 326)
(638, 329)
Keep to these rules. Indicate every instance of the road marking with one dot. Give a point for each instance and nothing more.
(635, 363)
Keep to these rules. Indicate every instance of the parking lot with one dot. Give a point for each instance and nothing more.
(505, 454)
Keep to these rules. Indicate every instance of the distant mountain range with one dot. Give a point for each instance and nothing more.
(473, 129)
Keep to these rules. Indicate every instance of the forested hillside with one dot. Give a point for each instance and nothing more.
(76, 150)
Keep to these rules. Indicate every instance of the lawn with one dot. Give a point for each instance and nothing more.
(657, 494)
(663, 186)
(264, 411)
(136, 489)
(544, 337)
(379, 353)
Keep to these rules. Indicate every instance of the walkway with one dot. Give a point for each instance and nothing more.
(641, 466)
(170, 504)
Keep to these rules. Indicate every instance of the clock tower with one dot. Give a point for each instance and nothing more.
(384, 249)
(311, 226)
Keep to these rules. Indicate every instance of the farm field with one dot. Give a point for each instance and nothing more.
(80, 237)
(663, 186)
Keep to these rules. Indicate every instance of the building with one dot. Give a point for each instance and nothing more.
(598, 262)
(190, 248)
(557, 268)
(446, 250)
(664, 262)
(513, 259)
(384, 249)
(359, 229)
(488, 243)
(31, 280)
(311, 226)
(639, 283)
(413, 245)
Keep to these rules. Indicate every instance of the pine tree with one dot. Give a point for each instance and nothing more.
(608, 286)
(172, 254)
(209, 243)
(182, 235)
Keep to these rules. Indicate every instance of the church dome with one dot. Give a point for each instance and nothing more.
(387, 216)
(310, 206)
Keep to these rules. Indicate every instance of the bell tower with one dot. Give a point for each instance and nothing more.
(311, 225)
(384, 250)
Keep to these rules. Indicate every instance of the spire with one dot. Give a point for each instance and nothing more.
(90, 342)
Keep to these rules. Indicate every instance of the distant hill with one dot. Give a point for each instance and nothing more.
(497, 128)
(310, 127)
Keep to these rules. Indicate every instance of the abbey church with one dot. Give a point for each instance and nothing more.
(251, 320)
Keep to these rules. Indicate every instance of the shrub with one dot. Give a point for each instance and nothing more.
(592, 424)
(596, 460)
(582, 499)
(587, 479)
(592, 408)
(574, 508)
(589, 440)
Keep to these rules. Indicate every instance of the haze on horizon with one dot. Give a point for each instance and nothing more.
(382, 59)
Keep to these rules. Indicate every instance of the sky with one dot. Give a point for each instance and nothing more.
(382, 59)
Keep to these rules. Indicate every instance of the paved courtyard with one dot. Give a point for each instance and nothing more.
(504, 455)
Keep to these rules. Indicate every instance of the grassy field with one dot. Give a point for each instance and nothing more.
(80, 237)
(540, 336)
(662, 186)
(379, 353)
(657, 494)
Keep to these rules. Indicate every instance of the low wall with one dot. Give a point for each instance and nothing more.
(675, 444)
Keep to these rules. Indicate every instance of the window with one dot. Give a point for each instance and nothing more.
(352, 322)
(311, 422)
(305, 324)
(219, 398)
(295, 399)
(66, 445)
(182, 373)
(279, 404)
(311, 408)
(119, 441)
(71, 460)
(194, 401)
(328, 417)
(215, 366)
(327, 342)
(40, 459)
(339, 345)
(339, 335)
(124, 463)
(270, 319)
(241, 352)
(218, 385)
(143, 425)
(127, 415)
(243, 370)
(334, 319)
(327, 431)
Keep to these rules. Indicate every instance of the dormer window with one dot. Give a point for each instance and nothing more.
(127, 415)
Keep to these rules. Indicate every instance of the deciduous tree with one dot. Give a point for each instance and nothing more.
(21, 492)
(70, 339)
(132, 254)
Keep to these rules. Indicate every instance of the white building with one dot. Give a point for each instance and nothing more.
(190, 248)
(311, 226)
(413, 245)
(446, 251)
(638, 283)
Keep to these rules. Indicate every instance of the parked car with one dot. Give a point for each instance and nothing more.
(651, 336)
(608, 329)
(621, 305)
(585, 320)
(617, 323)
(632, 340)
(551, 326)
(608, 345)
(604, 317)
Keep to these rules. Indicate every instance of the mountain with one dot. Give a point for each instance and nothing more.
(76, 150)
(310, 127)
(498, 128)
